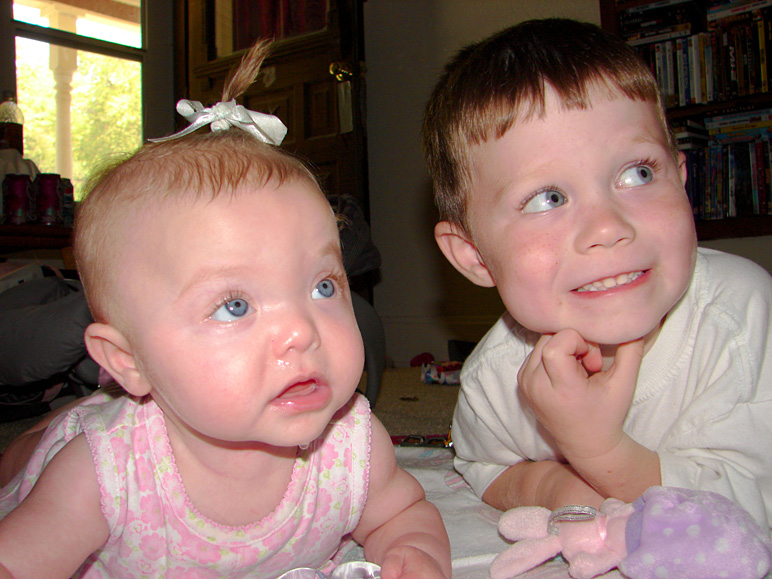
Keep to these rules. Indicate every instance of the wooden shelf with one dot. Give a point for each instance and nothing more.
(21, 237)
(750, 226)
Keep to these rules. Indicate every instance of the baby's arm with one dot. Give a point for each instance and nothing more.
(584, 408)
(400, 530)
(60, 523)
(18, 452)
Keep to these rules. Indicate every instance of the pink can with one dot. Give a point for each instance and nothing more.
(48, 198)
(18, 207)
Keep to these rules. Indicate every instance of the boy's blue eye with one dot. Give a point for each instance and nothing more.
(324, 289)
(544, 201)
(635, 176)
(232, 310)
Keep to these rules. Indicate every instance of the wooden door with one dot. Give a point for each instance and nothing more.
(313, 80)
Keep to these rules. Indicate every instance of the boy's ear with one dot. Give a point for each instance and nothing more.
(682, 166)
(111, 350)
(462, 253)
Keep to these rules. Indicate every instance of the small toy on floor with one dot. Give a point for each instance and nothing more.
(667, 533)
(448, 373)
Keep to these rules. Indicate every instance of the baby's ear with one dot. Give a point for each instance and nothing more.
(462, 253)
(111, 350)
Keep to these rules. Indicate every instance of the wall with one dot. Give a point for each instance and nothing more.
(423, 301)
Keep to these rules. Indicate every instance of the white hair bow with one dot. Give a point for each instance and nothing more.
(266, 128)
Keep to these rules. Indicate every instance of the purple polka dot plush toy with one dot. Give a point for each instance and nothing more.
(667, 533)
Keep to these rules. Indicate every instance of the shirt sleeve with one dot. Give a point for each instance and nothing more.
(491, 430)
(721, 439)
(470, 436)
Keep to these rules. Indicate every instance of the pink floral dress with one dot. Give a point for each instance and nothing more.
(156, 532)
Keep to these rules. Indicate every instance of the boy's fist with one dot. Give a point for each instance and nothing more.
(581, 405)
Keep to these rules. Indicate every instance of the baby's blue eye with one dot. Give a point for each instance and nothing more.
(232, 310)
(324, 289)
(544, 201)
(635, 176)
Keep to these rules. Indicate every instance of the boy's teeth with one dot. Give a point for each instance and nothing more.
(611, 282)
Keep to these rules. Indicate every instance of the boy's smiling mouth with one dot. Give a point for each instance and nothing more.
(608, 283)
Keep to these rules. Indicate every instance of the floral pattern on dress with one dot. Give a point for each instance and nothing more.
(156, 531)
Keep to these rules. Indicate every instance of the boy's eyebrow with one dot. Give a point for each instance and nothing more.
(645, 138)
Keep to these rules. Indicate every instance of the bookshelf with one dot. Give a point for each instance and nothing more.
(710, 60)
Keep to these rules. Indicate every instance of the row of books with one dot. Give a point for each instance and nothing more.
(719, 9)
(728, 60)
(646, 14)
(657, 20)
(730, 178)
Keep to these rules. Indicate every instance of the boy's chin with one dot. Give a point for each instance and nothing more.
(614, 337)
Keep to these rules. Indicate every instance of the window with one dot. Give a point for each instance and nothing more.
(92, 78)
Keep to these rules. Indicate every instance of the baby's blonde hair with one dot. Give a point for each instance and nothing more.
(200, 165)
(487, 87)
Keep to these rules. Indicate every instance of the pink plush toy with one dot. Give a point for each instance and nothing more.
(667, 532)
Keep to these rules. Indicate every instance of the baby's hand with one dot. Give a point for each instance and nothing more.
(581, 406)
(408, 562)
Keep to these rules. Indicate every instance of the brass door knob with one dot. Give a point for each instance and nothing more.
(341, 71)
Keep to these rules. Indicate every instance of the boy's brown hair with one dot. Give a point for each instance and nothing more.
(197, 166)
(490, 85)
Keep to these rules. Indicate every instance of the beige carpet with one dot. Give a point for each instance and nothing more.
(406, 405)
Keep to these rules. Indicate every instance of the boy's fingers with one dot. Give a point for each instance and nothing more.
(627, 361)
(533, 360)
(560, 355)
(593, 359)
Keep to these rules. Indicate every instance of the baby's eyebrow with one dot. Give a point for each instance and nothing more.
(333, 248)
(211, 274)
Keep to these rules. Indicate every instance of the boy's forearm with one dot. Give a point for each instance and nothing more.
(420, 526)
(623, 473)
(546, 483)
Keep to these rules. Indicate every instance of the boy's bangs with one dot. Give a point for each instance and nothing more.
(485, 120)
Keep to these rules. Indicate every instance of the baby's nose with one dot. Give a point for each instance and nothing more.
(296, 330)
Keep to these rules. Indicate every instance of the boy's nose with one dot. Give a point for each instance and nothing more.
(604, 226)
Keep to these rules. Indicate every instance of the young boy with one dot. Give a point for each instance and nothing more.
(627, 356)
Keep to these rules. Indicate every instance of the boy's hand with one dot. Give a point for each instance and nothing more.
(581, 406)
(410, 563)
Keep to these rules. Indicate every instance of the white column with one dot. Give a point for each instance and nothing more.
(63, 63)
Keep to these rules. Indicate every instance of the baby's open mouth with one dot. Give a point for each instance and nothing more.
(300, 389)
(608, 283)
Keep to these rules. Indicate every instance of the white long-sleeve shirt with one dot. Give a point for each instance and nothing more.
(703, 400)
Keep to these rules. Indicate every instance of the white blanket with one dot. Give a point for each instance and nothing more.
(471, 524)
